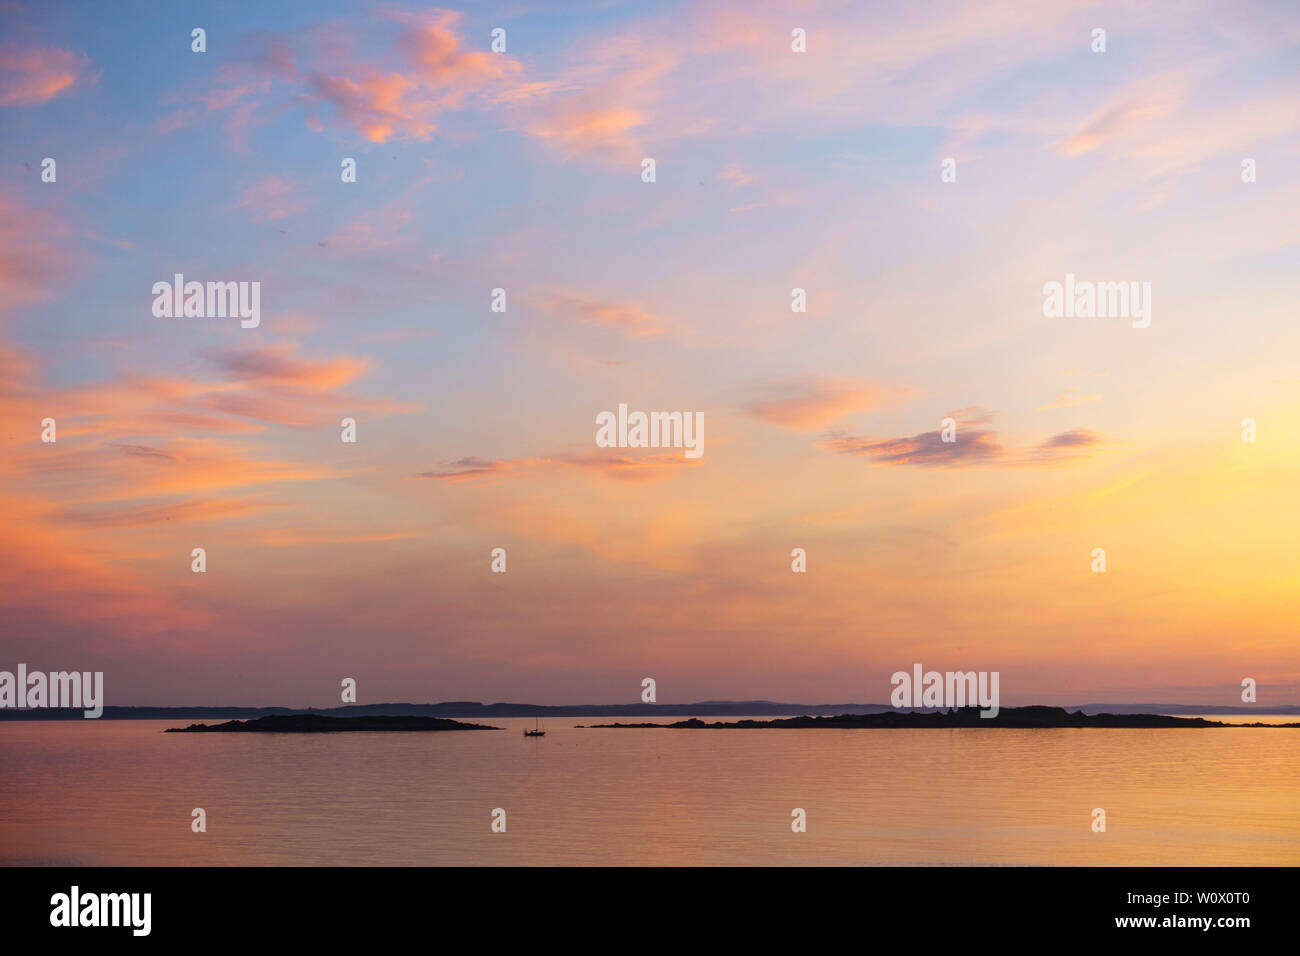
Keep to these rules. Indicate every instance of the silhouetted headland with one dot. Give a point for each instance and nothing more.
(316, 724)
(1019, 717)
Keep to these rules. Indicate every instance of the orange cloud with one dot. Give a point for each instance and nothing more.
(293, 538)
(604, 105)
(182, 465)
(602, 131)
(635, 468)
(805, 404)
(174, 512)
(1110, 123)
(275, 365)
(1127, 113)
(52, 572)
(135, 456)
(1070, 397)
(624, 317)
(265, 384)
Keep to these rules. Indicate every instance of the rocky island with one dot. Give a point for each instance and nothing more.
(317, 724)
(1015, 717)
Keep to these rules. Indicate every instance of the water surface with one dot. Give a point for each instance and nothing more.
(121, 792)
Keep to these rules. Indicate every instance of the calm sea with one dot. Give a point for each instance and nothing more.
(121, 792)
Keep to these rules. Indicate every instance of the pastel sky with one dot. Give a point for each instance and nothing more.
(774, 170)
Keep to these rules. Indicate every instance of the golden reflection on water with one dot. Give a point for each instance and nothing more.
(121, 793)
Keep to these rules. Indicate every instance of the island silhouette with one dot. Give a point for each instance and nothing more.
(1033, 717)
(317, 724)
(1013, 717)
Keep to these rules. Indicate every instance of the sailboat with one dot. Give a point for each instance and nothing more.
(534, 732)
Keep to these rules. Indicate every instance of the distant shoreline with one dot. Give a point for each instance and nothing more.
(477, 710)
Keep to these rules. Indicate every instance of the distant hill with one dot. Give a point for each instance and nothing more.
(747, 708)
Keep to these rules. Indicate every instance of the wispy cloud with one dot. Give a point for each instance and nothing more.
(400, 96)
(808, 403)
(37, 252)
(634, 468)
(30, 76)
(269, 199)
(471, 468)
(1070, 397)
(194, 511)
(624, 317)
(972, 446)
(1066, 445)
(926, 450)
(1128, 113)
(606, 103)
(276, 365)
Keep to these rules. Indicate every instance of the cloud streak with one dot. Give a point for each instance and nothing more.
(629, 468)
(31, 76)
(972, 447)
(805, 404)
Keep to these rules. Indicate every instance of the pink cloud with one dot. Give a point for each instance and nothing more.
(31, 76)
(576, 129)
(434, 74)
(1128, 113)
(37, 252)
(377, 105)
(435, 51)
(604, 106)
(269, 199)
(737, 176)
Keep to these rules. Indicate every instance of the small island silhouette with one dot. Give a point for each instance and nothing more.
(1016, 717)
(317, 724)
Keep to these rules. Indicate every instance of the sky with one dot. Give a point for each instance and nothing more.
(774, 170)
